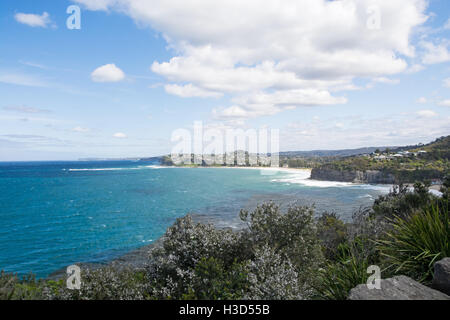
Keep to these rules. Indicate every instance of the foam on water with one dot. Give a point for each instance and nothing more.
(303, 177)
(53, 216)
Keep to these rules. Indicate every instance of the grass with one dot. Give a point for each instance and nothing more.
(417, 242)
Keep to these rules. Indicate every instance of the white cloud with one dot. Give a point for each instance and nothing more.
(422, 100)
(107, 73)
(22, 80)
(80, 129)
(390, 130)
(189, 90)
(25, 109)
(32, 64)
(276, 48)
(435, 53)
(120, 135)
(446, 83)
(447, 25)
(414, 69)
(386, 80)
(426, 113)
(33, 20)
(444, 103)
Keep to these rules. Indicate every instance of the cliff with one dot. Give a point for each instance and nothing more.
(355, 176)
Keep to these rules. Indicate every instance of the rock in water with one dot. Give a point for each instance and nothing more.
(441, 279)
(397, 288)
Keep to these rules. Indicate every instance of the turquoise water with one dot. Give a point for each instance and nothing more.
(55, 214)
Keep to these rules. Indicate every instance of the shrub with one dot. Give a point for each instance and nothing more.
(212, 280)
(416, 242)
(14, 288)
(107, 283)
(273, 277)
(184, 245)
(350, 270)
(401, 202)
(332, 232)
(293, 235)
(197, 261)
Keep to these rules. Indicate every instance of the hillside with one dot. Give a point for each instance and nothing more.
(400, 165)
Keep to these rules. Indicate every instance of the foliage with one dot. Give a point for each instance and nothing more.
(332, 232)
(401, 202)
(416, 166)
(417, 242)
(273, 277)
(184, 246)
(348, 271)
(14, 288)
(280, 255)
(214, 282)
(293, 234)
(107, 283)
(191, 253)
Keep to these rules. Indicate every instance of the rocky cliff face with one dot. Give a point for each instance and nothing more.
(369, 176)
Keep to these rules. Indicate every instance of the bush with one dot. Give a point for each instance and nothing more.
(184, 246)
(293, 235)
(350, 270)
(401, 202)
(332, 232)
(416, 242)
(273, 277)
(198, 261)
(213, 281)
(107, 283)
(14, 288)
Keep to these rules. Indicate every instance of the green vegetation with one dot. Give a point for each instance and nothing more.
(406, 164)
(410, 164)
(417, 242)
(280, 255)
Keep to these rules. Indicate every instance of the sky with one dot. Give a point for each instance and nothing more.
(327, 74)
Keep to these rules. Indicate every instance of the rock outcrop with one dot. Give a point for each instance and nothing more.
(397, 288)
(355, 176)
(441, 279)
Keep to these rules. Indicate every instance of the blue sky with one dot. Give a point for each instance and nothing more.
(138, 70)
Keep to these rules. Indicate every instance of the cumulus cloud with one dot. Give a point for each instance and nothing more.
(33, 20)
(389, 130)
(190, 90)
(81, 129)
(435, 53)
(444, 103)
(447, 25)
(107, 73)
(258, 53)
(446, 83)
(422, 100)
(119, 135)
(414, 69)
(426, 113)
(386, 80)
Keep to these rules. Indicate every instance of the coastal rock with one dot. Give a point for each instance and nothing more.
(397, 288)
(441, 279)
(355, 176)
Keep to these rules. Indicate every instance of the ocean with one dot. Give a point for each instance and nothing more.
(54, 214)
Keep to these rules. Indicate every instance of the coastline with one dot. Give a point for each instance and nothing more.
(435, 187)
(138, 258)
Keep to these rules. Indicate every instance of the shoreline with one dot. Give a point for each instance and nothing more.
(435, 187)
(138, 258)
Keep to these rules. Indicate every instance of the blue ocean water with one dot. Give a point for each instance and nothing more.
(54, 214)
